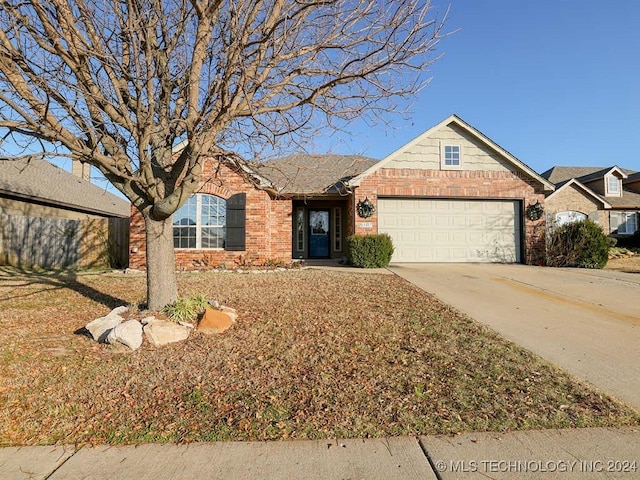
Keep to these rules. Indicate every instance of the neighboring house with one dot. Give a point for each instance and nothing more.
(610, 196)
(450, 195)
(55, 219)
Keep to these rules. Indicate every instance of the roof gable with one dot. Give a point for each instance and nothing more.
(37, 180)
(597, 175)
(459, 124)
(584, 189)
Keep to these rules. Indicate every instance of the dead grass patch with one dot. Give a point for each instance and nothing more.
(314, 354)
(625, 264)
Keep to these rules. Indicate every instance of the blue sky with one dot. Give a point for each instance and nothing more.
(555, 82)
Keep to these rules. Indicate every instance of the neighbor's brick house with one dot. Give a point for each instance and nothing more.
(610, 196)
(450, 195)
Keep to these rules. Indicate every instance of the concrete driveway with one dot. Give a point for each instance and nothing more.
(586, 321)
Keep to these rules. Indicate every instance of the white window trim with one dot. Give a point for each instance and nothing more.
(623, 217)
(613, 193)
(569, 216)
(199, 226)
(443, 166)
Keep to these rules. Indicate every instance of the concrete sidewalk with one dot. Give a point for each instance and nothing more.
(594, 453)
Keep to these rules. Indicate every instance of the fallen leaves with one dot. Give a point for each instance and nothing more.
(313, 354)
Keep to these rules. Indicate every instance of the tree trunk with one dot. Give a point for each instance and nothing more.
(162, 286)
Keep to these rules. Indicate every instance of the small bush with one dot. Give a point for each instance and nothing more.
(370, 251)
(578, 244)
(186, 309)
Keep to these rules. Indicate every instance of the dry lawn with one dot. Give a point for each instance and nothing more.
(314, 354)
(626, 264)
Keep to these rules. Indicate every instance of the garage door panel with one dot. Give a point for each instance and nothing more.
(435, 230)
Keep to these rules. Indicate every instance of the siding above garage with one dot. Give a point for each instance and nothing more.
(426, 153)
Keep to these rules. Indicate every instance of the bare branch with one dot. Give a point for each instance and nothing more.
(118, 84)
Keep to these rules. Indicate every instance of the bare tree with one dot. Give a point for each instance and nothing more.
(118, 83)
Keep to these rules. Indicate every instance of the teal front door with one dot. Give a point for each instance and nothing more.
(318, 234)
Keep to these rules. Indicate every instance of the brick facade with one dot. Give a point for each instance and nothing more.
(466, 184)
(268, 226)
(573, 198)
(269, 220)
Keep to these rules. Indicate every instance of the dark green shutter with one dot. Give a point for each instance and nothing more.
(236, 222)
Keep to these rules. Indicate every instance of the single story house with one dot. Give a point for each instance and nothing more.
(449, 195)
(610, 196)
(56, 219)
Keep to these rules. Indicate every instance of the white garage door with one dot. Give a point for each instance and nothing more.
(430, 230)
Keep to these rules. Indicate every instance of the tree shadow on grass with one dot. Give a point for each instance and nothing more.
(14, 279)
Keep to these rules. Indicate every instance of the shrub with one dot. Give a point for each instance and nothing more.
(578, 244)
(630, 241)
(186, 309)
(370, 251)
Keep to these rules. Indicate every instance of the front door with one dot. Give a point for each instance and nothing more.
(318, 233)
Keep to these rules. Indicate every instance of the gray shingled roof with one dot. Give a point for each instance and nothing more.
(37, 180)
(558, 175)
(561, 175)
(629, 199)
(305, 174)
(634, 177)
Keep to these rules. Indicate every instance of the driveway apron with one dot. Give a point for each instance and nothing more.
(585, 321)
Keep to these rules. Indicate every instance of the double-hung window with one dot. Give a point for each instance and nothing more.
(200, 223)
(613, 185)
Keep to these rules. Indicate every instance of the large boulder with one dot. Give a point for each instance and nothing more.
(100, 327)
(127, 333)
(215, 321)
(161, 332)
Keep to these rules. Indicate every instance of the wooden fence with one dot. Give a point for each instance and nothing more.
(55, 243)
(119, 242)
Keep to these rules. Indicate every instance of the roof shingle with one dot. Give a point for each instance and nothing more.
(306, 174)
(561, 174)
(38, 180)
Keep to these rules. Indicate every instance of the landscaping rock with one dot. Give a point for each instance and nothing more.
(230, 311)
(100, 327)
(127, 333)
(161, 332)
(214, 321)
(147, 320)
